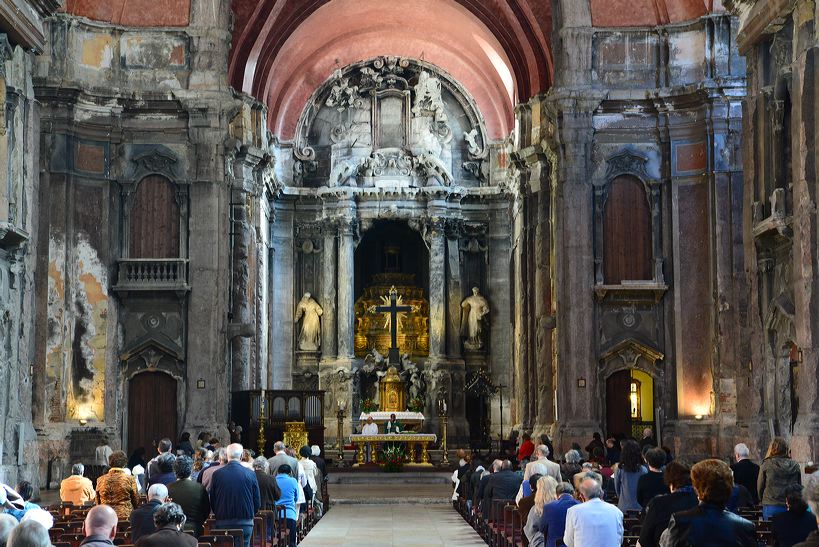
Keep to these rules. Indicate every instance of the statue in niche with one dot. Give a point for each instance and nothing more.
(428, 97)
(310, 336)
(473, 309)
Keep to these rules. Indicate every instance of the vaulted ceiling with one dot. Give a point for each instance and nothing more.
(497, 49)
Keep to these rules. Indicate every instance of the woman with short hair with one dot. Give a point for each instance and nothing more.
(117, 487)
(169, 520)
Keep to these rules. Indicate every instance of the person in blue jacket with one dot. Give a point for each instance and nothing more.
(290, 494)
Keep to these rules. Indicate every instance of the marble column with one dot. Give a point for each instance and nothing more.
(454, 293)
(328, 293)
(282, 299)
(437, 291)
(346, 297)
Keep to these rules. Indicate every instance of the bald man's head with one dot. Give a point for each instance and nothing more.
(101, 521)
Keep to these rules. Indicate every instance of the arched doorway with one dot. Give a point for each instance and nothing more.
(151, 410)
(629, 402)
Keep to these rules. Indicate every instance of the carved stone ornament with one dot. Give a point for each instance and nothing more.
(156, 161)
(626, 163)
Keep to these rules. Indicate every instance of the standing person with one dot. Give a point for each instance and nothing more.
(546, 440)
(795, 524)
(142, 518)
(164, 447)
(593, 522)
(746, 472)
(289, 488)
(526, 503)
(393, 426)
(541, 466)
(315, 455)
(268, 488)
(189, 495)
(552, 523)
(100, 526)
(185, 444)
(280, 457)
(710, 523)
(206, 476)
(596, 442)
(234, 494)
(311, 471)
(137, 458)
(527, 447)
(652, 484)
(648, 438)
(628, 474)
(102, 453)
(169, 520)
(777, 472)
(117, 488)
(77, 489)
(659, 510)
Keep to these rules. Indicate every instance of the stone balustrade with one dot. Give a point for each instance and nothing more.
(152, 274)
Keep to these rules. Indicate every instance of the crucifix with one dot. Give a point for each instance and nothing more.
(393, 309)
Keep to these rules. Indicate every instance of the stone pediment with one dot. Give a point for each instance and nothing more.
(629, 350)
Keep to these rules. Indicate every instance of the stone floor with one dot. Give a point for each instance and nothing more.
(391, 524)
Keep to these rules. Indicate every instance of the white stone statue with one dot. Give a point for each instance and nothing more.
(310, 336)
(473, 309)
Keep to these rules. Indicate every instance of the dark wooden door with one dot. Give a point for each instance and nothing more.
(618, 411)
(626, 232)
(154, 220)
(151, 410)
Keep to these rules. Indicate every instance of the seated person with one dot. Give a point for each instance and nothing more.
(77, 489)
(394, 426)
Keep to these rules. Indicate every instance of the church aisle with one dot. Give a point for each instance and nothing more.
(382, 525)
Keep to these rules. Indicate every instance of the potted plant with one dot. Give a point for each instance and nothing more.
(392, 458)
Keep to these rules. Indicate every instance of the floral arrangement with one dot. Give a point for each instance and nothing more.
(392, 458)
(367, 406)
(416, 405)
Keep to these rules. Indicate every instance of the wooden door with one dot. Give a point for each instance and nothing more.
(151, 411)
(154, 220)
(618, 410)
(626, 233)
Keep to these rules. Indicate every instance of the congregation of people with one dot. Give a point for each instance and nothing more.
(625, 491)
(176, 497)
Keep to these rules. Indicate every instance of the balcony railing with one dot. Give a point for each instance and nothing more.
(152, 274)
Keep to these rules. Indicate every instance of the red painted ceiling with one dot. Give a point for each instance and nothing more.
(497, 49)
(649, 13)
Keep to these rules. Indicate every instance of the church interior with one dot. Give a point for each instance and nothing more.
(557, 217)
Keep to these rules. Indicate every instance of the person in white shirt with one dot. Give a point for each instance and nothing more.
(594, 522)
(102, 453)
(370, 428)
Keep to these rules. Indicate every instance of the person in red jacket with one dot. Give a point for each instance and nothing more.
(527, 447)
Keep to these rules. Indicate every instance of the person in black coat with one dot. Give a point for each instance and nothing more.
(710, 523)
(502, 485)
(795, 524)
(659, 510)
(269, 490)
(652, 484)
(169, 521)
(142, 518)
(745, 471)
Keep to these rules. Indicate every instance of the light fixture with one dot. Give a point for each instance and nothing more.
(698, 417)
(83, 421)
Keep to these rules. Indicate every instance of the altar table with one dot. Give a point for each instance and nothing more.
(412, 440)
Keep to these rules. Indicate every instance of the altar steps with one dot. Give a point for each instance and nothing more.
(404, 488)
